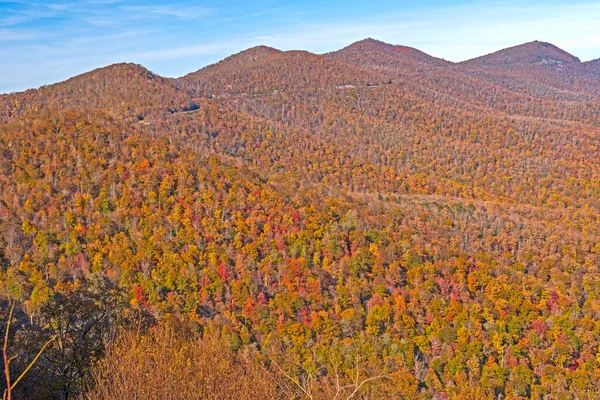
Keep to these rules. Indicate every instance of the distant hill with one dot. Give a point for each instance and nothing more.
(240, 61)
(528, 54)
(122, 89)
(376, 54)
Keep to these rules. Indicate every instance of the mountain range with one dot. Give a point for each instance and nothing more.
(365, 60)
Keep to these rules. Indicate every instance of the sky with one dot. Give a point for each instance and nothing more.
(49, 41)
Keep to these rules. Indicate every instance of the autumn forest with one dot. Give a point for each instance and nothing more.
(371, 223)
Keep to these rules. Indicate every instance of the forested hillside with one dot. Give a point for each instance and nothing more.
(372, 223)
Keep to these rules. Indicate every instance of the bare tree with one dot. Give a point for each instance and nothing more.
(340, 372)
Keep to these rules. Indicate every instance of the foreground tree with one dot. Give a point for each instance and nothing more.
(10, 383)
(54, 348)
(82, 318)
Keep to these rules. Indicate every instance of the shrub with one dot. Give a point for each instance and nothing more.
(164, 363)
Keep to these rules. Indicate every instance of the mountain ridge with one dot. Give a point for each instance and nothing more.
(356, 53)
(263, 70)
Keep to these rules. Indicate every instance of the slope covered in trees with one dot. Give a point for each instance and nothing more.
(371, 223)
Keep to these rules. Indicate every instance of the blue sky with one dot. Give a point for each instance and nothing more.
(49, 41)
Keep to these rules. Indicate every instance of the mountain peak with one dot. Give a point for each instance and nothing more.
(367, 45)
(123, 66)
(257, 51)
(372, 41)
(243, 59)
(375, 53)
(122, 70)
(526, 54)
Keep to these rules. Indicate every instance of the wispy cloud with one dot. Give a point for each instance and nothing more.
(63, 6)
(249, 15)
(176, 10)
(8, 35)
(104, 2)
(17, 17)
